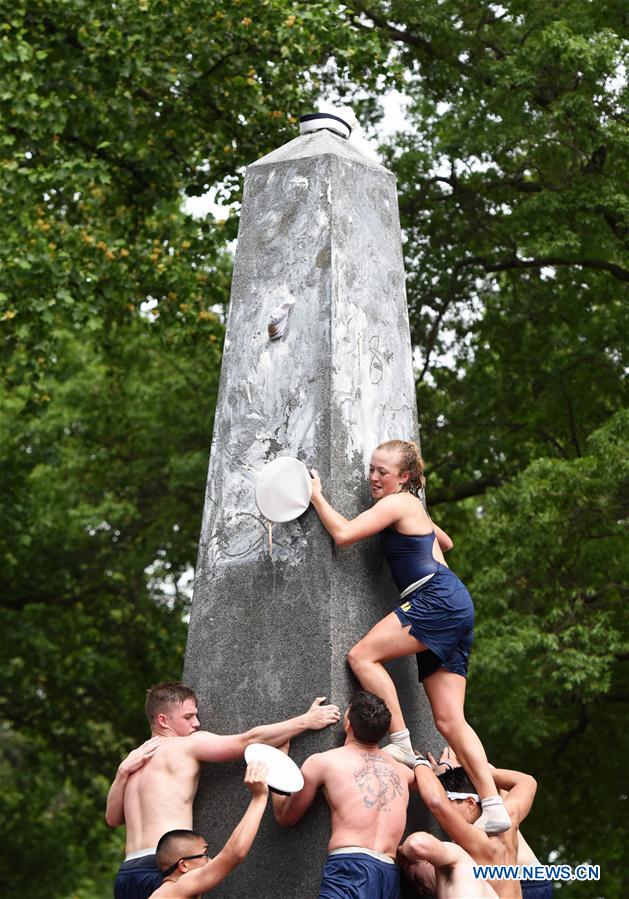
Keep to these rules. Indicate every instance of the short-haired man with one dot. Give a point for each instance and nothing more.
(182, 855)
(441, 869)
(531, 889)
(453, 801)
(155, 785)
(367, 792)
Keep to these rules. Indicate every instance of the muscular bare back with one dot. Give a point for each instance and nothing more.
(368, 796)
(159, 796)
(502, 849)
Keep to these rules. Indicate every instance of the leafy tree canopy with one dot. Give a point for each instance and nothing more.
(102, 495)
(513, 199)
(550, 590)
(512, 178)
(111, 113)
(110, 335)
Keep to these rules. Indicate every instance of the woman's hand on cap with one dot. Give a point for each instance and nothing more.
(316, 484)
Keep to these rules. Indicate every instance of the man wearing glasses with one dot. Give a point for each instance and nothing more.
(183, 857)
(155, 785)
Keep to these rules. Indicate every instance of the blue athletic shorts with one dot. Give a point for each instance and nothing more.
(137, 878)
(536, 889)
(441, 616)
(353, 875)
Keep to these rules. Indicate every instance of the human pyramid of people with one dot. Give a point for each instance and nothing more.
(479, 807)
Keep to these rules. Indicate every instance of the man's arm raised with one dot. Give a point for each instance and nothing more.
(235, 850)
(114, 813)
(470, 838)
(289, 810)
(521, 792)
(423, 846)
(208, 747)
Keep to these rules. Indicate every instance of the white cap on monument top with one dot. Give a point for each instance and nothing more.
(341, 121)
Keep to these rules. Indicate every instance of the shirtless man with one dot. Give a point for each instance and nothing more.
(531, 889)
(182, 855)
(155, 785)
(367, 792)
(441, 869)
(455, 804)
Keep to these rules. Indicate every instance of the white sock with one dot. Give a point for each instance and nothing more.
(402, 738)
(488, 801)
(495, 818)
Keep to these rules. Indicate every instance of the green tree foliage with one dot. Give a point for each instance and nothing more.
(102, 497)
(513, 200)
(552, 633)
(513, 182)
(111, 115)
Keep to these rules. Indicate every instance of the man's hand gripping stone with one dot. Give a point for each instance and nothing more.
(319, 716)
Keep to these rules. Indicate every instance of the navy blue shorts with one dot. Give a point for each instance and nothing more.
(137, 878)
(536, 889)
(441, 616)
(352, 875)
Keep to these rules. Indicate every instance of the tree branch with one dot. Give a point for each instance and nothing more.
(602, 264)
(521, 184)
(429, 343)
(614, 221)
(404, 37)
(463, 491)
(571, 419)
(567, 738)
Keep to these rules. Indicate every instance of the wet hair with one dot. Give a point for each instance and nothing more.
(160, 697)
(369, 717)
(456, 780)
(173, 846)
(410, 461)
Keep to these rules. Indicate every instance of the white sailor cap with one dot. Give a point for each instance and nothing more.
(283, 489)
(283, 775)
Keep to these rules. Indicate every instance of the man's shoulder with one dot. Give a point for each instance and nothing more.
(174, 754)
(339, 755)
(161, 892)
(327, 757)
(348, 758)
(351, 751)
(199, 734)
(184, 746)
(328, 760)
(375, 755)
(198, 741)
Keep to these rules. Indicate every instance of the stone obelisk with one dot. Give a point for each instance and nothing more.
(270, 632)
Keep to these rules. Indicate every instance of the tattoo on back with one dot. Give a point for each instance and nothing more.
(377, 781)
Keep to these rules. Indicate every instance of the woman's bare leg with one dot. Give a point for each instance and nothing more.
(446, 694)
(386, 641)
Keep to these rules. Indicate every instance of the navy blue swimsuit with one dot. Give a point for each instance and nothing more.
(440, 611)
